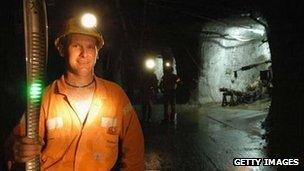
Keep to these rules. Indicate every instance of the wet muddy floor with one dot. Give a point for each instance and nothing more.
(205, 137)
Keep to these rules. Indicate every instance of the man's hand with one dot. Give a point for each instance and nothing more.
(25, 149)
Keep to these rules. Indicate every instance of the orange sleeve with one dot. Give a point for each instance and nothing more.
(132, 139)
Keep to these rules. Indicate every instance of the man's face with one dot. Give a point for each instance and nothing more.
(81, 54)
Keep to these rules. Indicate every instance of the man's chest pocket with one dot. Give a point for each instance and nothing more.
(58, 137)
(54, 128)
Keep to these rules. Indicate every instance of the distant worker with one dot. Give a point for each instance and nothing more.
(148, 90)
(168, 86)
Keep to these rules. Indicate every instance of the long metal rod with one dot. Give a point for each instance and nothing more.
(35, 31)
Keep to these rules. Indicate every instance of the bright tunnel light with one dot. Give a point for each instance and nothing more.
(168, 64)
(257, 31)
(150, 63)
(88, 20)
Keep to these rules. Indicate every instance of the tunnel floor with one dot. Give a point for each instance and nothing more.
(205, 137)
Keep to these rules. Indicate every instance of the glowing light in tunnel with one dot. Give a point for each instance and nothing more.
(150, 63)
(168, 64)
(245, 34)
(257, 31)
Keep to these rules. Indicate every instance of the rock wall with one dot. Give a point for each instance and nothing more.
(225, 49)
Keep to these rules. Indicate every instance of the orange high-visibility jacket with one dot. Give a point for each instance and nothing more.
(111, 126)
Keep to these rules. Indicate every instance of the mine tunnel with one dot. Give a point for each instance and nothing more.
(239, 66)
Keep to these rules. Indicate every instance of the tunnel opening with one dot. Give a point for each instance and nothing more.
(234, 85)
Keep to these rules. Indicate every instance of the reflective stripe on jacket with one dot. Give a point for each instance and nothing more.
(111, 127)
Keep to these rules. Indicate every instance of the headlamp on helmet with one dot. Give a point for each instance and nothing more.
(86, 24)
(88, 20)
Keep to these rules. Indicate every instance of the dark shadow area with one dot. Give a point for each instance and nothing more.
(13, 81)
(285, 121)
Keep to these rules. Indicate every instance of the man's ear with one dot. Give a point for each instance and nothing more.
(97, 52)
(61, 51)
